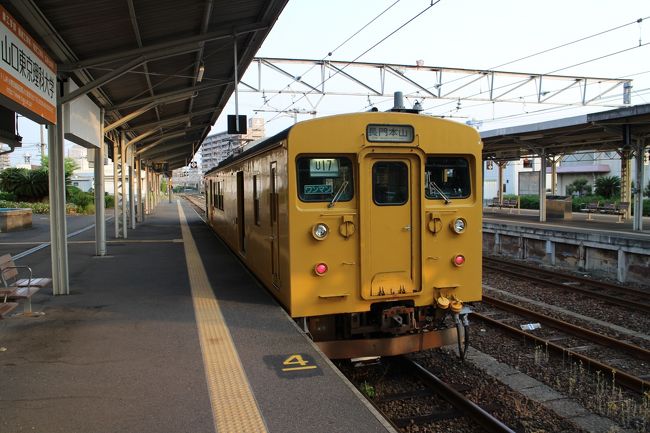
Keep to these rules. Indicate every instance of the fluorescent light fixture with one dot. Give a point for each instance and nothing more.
(199, 74)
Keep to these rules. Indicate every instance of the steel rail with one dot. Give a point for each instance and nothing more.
(629, 381)
(458, 400)
(628, 304)
(589, 281)
(567, 327)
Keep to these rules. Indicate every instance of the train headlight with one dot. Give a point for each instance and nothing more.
(320, 269)
(458, 226)
(320, 231)
(458, 260)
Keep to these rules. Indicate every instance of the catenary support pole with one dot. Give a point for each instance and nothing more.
(123, 186)
(58, 229)
(116, 205)
(132, 194)
(637, 224)
(542, 187)
(100, 220)
(140, 198)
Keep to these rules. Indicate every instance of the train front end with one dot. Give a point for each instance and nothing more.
(385, 232)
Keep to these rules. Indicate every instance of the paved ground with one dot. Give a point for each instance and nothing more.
(121, 353)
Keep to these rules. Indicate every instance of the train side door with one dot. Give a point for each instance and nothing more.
(275, 227)
(241, 225)
(391, 227)
(208, 201)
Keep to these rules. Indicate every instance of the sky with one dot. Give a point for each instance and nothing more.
(472, 34)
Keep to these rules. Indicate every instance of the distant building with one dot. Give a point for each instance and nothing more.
(217, 147)
(5, 161)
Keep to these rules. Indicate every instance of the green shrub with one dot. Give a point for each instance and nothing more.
(608, 186)
(8, 196)
(25, 184)
(109, 201)
(529, 202)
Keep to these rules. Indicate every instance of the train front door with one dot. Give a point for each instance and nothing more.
(391, 226)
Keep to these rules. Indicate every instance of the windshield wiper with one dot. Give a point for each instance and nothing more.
(338, 193)
(433, 185)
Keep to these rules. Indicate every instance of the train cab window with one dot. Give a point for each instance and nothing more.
(325, 179)
(390, 183)
(447, 177)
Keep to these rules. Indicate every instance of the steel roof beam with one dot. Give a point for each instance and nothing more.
(169, 156)
(172, 120)
(149, 106)
(182, 91)
(158, 152)
(179, 46)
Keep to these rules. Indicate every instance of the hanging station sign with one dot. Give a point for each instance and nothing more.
(27, 73)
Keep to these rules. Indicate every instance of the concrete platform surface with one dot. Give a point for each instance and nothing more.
(125, 351)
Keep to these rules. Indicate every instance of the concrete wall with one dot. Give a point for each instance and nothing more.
(624, 258)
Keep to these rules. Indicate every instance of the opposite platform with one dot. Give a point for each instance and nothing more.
(126, 351)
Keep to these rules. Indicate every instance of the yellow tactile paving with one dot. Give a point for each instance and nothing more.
(233, 405)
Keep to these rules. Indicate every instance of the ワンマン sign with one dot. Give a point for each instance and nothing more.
(27, 73)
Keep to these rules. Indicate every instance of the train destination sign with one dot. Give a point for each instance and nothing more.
(27, 73)
(324, 167)
(390, 133)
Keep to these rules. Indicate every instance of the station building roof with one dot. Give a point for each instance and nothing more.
(169, 61)
(603, 131)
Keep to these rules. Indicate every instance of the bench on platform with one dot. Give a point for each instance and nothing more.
(19, 287)
(590, 208)
(6, 308)
(619, 209)
(505, 203)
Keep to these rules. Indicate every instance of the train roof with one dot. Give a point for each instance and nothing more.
(270, 141)
(261, 145)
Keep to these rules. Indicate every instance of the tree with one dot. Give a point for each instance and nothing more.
(647, 190)
(608, 186)
(579, 186)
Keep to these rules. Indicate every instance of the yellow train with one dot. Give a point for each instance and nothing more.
(366, 227)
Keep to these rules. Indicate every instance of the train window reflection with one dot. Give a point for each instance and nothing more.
(390, 183)
(325, 179)
(447, 178)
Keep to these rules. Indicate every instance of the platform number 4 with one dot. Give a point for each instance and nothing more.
(297, 362)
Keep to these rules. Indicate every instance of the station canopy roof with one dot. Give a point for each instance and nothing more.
(170, 62)
(603, 131)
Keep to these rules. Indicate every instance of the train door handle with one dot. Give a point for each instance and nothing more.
(406, 228)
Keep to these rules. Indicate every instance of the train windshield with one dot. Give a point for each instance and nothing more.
(325, 179)
(447, 177)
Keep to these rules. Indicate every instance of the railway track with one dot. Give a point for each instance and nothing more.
(626, 297)
(578, 342)
(444, 402)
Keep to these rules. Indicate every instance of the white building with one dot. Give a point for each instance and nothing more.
(217, 147)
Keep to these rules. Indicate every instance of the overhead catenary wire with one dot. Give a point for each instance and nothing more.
(547, 50)
(331, 52)
(547, 73)
(433, 3)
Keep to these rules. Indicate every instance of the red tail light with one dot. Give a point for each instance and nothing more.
(459, 260)
(320, 269)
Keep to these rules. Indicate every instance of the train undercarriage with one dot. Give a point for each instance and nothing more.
(389, 329)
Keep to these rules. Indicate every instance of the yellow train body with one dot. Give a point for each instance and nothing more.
(366, 227)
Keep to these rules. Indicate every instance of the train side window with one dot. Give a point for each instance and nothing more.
(325, 179)
(256, 200)
(390, 183)
(448, 176)
(219, 198)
